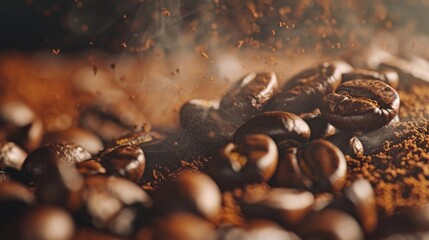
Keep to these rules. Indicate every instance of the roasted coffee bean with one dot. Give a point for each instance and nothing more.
(202, 119)
(285, 206)
(331, 224)
(189, 192)
(253, 160)
(324, 165)
(11, 155)
(113, 204)
(182, 226)
(319, 126)
(126, 161)
(361, 105)
(38, 162)
(19, 124)
(288, 173)
(347, 143)
(247, 97)
(388, 76)
(76, 135)
(257, 229)
(303, 92)
(90, 167)
(283, 127)
(47, 223)
(15, 199)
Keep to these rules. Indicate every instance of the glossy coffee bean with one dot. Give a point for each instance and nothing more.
(126, 161)
(283, 127)
(76, 135)
(20, 124)
(38, 162)
(182, 226)
(319, 126)
(388, 76)
(113, 204)
(15, 199)
(253, 160)
(190, 192)
(324, 165)
(257, 229)
(11, 155)
(285, 206)
(361, 105)
(247, 97)
(47, 223)
(90, 167)
(347, 143)
(288, 173)
(331, 224)
(303, 92)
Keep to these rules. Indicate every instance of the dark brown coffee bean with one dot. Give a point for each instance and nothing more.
(331, 224)
(324, 164)
(126, 161)
(347, 143)
(15, 199)
(90, 167)
(253, 160)
(182, 226)
(38, 162)
(190, 192)
(19, 124)
(76, 135)
(47, 223)
(303, 92)
(283, 127)
(288, 173)
(11, 155)
(388, 76)
(113, 204)
(257, 229)
(285, 206)
(361, 105)
(247, 97)
(319, 126)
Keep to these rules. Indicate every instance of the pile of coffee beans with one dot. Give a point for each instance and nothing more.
(335, 153)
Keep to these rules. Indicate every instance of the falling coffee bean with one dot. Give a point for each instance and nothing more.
(303, 92)
(361, 105)
(11, 155)
(347, 143)
(283, 127)
(247, 97)
(324, 164)
(252, 160)
(388, 76)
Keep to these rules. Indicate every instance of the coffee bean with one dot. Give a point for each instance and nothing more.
(189, 192)
(388, 76)
(113, 204)
(303, 92)
(285, 206)
(76, 135)
(90, 167)
(47, 223)
(324, 164)
(38, 162)
(319, 126)
(253, 160)
(347, 143)
(182, 226)
(20, 124)
(126, 161)
(331, 224)
(361, 105)
(247, 97)
(11, 155)
(15, 199)
(283, 127)
(288, 173)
